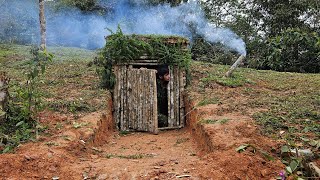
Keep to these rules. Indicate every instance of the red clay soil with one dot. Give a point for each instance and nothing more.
(90, 148)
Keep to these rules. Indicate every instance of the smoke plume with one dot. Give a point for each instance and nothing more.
(70, 27)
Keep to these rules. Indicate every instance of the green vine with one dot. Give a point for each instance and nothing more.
(121, 48)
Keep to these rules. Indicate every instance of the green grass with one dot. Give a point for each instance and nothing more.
(213, 121)
(278, 101)
(206, 101)
(69, 84)
(216, 74)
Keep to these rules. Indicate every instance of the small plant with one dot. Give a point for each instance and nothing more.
(25, 103)
(254, 149)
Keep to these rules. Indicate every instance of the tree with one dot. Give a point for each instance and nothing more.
(293, 50)
(260, 22)
(42, 24)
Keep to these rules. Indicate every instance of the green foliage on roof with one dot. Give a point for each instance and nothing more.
(121, 48)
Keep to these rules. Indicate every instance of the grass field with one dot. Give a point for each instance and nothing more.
(278, 101)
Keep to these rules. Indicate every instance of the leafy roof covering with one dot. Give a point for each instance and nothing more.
(121, 48)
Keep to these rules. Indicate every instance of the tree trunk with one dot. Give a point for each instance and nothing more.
(4, 95)
(42, 24)
(235, 65)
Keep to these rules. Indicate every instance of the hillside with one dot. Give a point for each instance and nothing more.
(238, 128)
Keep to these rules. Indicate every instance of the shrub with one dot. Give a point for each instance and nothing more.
(213, 53)
(293, 50)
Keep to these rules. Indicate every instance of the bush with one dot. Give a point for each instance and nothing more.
(294, 50)
(213, 53)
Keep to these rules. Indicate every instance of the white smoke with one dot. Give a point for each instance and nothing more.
(73, 28)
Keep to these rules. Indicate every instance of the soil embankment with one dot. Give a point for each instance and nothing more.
(90, 148)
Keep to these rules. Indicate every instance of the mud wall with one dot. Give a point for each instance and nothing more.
(197, 129)
(105, 127)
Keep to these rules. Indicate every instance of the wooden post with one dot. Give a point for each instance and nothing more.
(4, 95)
(235, 65)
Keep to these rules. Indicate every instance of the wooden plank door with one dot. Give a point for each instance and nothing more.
(142, 100)
(135, 99)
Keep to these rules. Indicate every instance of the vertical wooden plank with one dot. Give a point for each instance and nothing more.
(119, 96)
(182, 108)
(150, 92)
(136, 103)
(149, 102)
(125, 104)
(129, 100)
(133, 103)
(140, 100)
(125, 98)
(170, 99)
(144, 101)
(169, 95)
(115, 97)
(155, 102)
(174, 103)
(142, 92)
(176, 96)
(122, 99)
(129, 97)
(123, 94)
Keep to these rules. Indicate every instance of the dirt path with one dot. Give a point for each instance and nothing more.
(143, 156)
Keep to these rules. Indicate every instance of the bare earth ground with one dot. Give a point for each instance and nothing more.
(89, 148)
